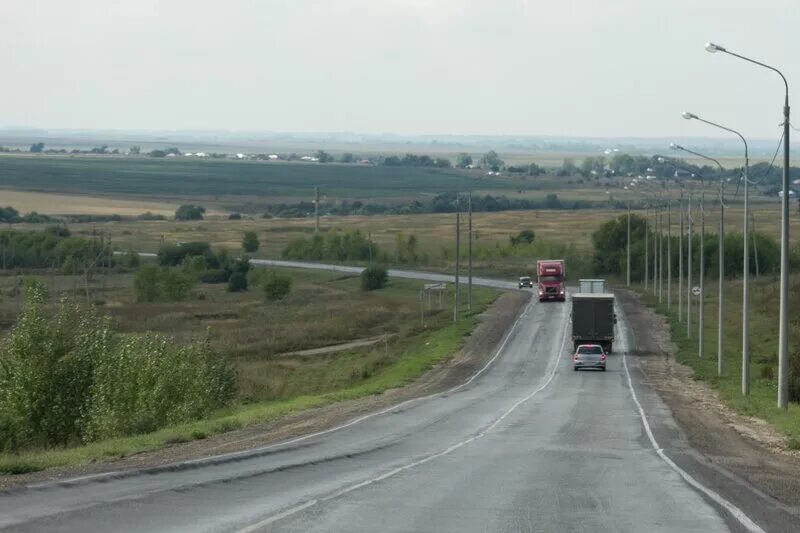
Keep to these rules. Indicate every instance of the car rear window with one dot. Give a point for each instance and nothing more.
(590, 349)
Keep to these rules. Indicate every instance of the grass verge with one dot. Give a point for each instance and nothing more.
(762, 400)
(420, 354)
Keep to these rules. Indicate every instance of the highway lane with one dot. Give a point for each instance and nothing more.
(529, 445)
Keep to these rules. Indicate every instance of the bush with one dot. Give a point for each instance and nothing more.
(250, 242)
(237, 282)
(69, 377)
(276, 286)
(526, 236)
(130, 259)
(374, 277)
(235, 216)
(153, 284)
(190, 212)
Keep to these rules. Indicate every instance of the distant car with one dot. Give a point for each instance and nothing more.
(525, 281)
(589, 356)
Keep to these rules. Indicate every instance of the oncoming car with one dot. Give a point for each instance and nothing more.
(525, 281)
(589, 356)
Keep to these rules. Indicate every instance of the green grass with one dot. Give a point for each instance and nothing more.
(762, 401)
(167, 178)
(419, 355)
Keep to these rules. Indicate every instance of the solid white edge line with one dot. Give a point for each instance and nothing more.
(450, 449)
(737, 513)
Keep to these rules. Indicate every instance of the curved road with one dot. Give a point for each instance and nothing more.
(527, 445)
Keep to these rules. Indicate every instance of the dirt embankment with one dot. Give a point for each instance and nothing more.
(479, 347)
(748, 447)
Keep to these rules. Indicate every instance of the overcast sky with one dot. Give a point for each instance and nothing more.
(551, 67)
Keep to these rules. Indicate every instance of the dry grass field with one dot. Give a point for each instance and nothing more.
(61, 204)
(322, 309)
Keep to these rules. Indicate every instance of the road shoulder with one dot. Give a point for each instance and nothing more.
(742, 458)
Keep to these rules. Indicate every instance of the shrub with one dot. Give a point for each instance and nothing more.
(237, 282)
(526, 236)
(235, 216)
(69, 376)
(276, 285)
(374, 277)
(153, 283)
(130, 259)
(250, 242)
(190, 212)
(148, 383)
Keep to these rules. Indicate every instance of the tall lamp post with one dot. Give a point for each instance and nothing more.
(721, 252)
(745, 257)
(783, 321)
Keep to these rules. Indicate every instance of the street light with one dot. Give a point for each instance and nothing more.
(783, 321)
(701, 315)
(721, 252)
(746, 256)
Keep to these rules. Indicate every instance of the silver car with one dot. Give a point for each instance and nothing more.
(589, 356)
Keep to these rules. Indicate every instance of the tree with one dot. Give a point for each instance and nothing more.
(250, 242)
(348, 158)
(443, 162)
(190, 212)
(237, 282)
(552, 201)
(374, 277)
(568, 167)
(323, 156)
(276, 286)
(37, 148)
(491, 161)
(535, 170)
(135, 150)
(463, 160)
(158, 153)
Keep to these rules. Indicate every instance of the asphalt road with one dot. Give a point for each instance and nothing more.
(394, 273)
(527, 445)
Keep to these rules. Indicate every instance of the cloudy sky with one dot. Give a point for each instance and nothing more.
(552, 67)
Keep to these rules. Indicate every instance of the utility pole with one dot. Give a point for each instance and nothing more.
(646, 252)
(721, 296)
(316, 209)
(680, 261)
(702, 304)
(458, 254)
(629, 245)
(689, 270)
(655, 250)
(669, 254)
(469, 247)
(660, 253)
(755, 240)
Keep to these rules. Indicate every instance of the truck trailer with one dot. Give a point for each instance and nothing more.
(551, 279)
(593, 319)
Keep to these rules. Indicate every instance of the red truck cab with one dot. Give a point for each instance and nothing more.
(552, 278)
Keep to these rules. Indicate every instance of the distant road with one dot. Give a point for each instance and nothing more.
(393, 273)
(407, 274)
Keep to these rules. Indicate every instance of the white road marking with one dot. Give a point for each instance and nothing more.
(454, 447)
(737, 513)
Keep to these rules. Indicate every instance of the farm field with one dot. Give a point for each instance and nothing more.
(61, 204)
(242, 182)
(432, 230)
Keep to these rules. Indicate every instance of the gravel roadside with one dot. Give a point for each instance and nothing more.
(747, 447)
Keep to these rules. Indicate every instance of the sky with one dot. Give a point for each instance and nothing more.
(616, 68)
